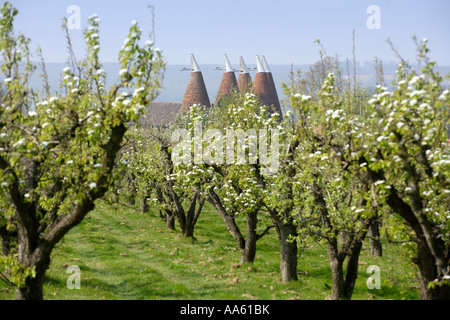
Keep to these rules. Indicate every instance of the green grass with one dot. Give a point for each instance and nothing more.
(126, 255)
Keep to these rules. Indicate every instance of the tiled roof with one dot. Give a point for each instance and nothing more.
(160, 113)
(195, 92)
(226, 85)
(244, 82)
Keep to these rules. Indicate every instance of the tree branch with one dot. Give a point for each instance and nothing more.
(266, 231)
(86, 204)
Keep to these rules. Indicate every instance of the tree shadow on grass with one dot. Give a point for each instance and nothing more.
(146, 284)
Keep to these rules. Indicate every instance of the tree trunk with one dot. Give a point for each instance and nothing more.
(376, 248)
(432, 254)
(337, 274)
(178, 209)
(188, 231)
(192, 214)
(336, 259)
(288, 248)
(232, 227)
(426, 259)
(33, 288)
(188, 218)
(229, 219)
(34, 247)
(170, 220)
(27, 241)
(249, 252)
(344, 284)
(352, 267)
(351, 245)
(288, 260)
(144, 204)
(428, 273)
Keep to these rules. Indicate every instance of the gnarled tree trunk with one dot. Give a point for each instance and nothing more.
(187, 218)
(33, 287)
(344, 282)
(247, 245)
(341, 245)
(432, 254)
(288, 247)
(229, 219)
(249, 252)
(170, 220)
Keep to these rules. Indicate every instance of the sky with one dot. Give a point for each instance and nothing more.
(283, 30)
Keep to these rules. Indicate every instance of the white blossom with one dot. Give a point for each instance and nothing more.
(136, 91)
(19, 143)
(123, 71)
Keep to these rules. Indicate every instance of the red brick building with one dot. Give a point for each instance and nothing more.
(196, 90)
(263, 86)
(273, 95)
(244, 80)
(228, 83)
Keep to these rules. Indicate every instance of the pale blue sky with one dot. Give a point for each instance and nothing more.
(282, 30)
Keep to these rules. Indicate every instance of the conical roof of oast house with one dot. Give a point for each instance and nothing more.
(261, 86)
(226, 85)
(274, 100)
(228, 82)
(196, 90)
(244, 80)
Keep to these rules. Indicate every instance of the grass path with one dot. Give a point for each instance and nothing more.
(126, 255)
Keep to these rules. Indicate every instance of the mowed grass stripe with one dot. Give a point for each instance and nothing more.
(123, 254)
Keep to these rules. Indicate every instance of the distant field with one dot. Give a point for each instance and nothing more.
(126, 255)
